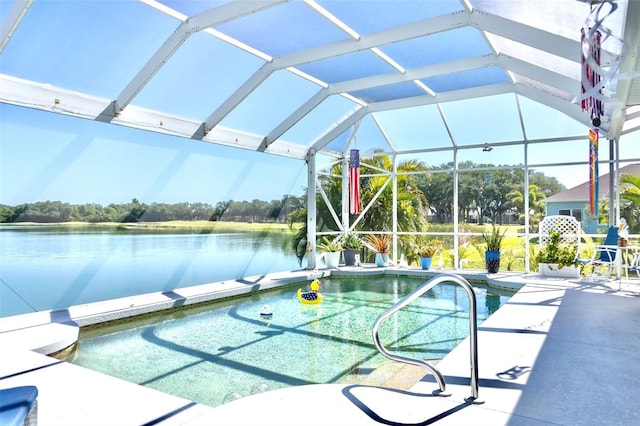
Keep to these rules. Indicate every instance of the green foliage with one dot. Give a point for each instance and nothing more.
(299, 243)
(427, 251)
(555, 251)
(376, 189)
(429, 248)
(351, 242)
(631, 189)
(511, 256)
(378, 242)
(630, 210)
(494, 238)
(536, 204)
(490, 193)
(330, 245)
(289, 209)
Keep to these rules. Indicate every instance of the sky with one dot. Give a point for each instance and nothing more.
(46, 156)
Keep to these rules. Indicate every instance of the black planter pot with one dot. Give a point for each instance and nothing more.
(350, 257)
(492, 261)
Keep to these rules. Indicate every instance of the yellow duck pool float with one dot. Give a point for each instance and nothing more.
(310, 297)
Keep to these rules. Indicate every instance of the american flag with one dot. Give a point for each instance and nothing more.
(355, 206)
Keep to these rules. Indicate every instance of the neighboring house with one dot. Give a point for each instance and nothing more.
(575, 201)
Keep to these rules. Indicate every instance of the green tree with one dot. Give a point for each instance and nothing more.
(438, 189)
(331, 184)
(412, 202)
(135, 211)
(630, 192)
(219, 210)
(536, 204)
(7, 214)
(548, 185)
(486, 191)
(377, 189)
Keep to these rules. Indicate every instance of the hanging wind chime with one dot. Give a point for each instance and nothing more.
(591, 79)
(591, 103)
(355, 207)
(593, 172)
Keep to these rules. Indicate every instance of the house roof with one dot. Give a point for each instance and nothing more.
(581, 192)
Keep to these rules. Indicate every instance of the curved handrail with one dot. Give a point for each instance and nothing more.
(473, 329)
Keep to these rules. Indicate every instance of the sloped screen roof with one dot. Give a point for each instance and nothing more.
(286, 76)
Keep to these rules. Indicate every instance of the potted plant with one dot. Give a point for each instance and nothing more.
(493, 240)
(351, 244)
(331, 249)
(426, 253)
(379, 243)
(557, 258)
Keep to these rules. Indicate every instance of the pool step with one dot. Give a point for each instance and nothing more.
(393, 375)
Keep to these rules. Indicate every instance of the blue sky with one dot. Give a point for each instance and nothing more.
(45, 156)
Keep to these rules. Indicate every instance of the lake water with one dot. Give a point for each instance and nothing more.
(44, 268)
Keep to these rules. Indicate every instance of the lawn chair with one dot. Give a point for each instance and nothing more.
(19, 406)
(634, 265)
(603, 256)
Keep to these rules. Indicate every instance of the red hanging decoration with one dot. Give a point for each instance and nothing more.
(591, 79)
(355, 207)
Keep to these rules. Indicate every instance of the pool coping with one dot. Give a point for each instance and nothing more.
(70, 394)
(50, 331)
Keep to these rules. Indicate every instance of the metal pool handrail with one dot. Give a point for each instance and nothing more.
(473, 329)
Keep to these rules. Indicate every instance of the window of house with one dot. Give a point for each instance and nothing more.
(577, 213)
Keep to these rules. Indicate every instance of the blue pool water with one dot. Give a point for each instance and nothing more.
(224, 350)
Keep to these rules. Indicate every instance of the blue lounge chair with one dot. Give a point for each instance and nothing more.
(19, 406)
(603, 256)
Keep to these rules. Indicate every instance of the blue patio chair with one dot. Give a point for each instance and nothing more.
(19, 406)
(604, 255)
(635, 264)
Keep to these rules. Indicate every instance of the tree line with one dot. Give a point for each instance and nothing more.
(425, 193)
(284, 210)
(425, 196)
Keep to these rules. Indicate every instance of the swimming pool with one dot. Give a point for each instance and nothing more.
(221, 351)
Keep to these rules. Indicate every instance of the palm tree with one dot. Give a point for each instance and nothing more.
(630, 192)
(332, 185)
(375, 174)
(536, 204)
(411, 200)
(299, 243)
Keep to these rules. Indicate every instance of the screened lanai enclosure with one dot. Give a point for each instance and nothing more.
(409, 117)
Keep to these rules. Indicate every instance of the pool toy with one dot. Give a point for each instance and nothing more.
(310, 297)
(266, 312)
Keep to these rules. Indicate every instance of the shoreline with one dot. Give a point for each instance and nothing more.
(169, 225)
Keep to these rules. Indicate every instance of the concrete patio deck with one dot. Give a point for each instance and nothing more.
(559, 352)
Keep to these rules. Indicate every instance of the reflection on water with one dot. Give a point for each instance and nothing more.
(47, 268)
